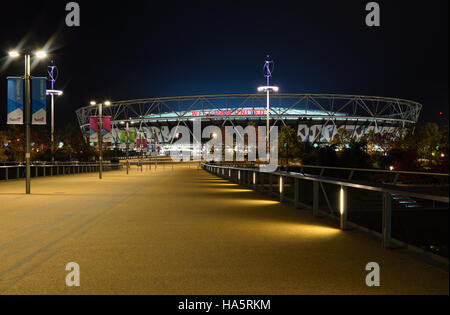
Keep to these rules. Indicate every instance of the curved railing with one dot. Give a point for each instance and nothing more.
(354, 203)
(12, 172)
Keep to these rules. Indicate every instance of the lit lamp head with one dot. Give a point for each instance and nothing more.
(41, 54)
(107, 103)
(54, 92)
(14, 54)
(93, 103)
(268, 88)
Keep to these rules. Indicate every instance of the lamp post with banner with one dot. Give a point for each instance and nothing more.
(41, 54)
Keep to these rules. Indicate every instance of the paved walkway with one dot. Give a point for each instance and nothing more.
(184, 231)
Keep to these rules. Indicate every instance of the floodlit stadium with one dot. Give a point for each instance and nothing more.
(317, 118)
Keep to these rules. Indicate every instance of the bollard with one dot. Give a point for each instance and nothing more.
(343, 207)
(281, 188)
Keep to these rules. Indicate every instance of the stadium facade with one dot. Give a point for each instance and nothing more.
(317, 118)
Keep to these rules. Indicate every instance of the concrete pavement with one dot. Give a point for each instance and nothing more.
(184, 231)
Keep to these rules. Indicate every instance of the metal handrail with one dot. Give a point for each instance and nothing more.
(373, 170)
(347, 183)
(54, 169)
(55, 165)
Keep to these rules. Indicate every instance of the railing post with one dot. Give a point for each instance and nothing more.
(270, 183)
(36, 171)
(44, 167)
(254, 180)
(387, 220)
(297, 192)
(316, 198)
(6, 173)
(261, 181)
(18, 172)
(396, 179)
(247, 179)
(343, 207)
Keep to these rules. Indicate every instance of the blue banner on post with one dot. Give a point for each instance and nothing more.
(15, 101)
(39, 101)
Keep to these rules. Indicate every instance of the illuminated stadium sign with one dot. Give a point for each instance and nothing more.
(223, 113)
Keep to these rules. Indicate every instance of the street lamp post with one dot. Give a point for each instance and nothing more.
(127, 129)
(268, 69)
(128, 146)
(100, 139)
(141, 144)
(27, 108)
(100, 135)
(27, 89)
(53, 77)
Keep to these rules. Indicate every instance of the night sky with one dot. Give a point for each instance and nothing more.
(142, 49)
